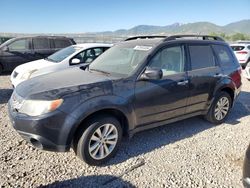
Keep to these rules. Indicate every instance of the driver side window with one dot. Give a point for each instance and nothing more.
(170, 60)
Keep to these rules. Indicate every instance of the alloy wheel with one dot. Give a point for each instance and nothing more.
(103, 141)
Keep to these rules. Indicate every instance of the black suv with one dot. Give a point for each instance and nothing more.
(17, 51)
(141, 83)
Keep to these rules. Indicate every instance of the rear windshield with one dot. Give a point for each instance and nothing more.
(237, 48)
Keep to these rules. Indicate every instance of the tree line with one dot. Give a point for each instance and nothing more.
(232, 37)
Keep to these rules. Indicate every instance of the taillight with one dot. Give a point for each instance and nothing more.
(236, 77)
(242, 52)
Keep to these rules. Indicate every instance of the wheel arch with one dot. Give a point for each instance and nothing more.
(111, 111)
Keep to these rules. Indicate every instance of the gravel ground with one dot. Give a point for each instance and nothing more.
(190, 153)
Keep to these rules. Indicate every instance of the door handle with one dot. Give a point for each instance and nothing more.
(182, 83)
(218, 75)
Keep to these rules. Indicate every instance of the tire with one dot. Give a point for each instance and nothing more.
(213, 114)
(93, 137)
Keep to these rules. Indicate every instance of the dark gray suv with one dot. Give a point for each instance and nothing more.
(141, 83)
(21, 50)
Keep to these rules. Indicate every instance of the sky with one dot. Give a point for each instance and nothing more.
(79, 16)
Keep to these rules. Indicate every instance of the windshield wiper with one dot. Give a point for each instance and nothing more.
(97, 70)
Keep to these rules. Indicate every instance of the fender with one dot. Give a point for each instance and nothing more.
(224, 82)
(101, 103)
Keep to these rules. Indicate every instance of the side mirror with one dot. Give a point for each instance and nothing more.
(152, 74)
(75, 61)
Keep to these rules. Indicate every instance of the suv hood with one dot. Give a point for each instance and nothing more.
(57, 84)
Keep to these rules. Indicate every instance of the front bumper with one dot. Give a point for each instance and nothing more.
(48, 132)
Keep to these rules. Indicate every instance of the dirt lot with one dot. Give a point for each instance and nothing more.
(190, 153)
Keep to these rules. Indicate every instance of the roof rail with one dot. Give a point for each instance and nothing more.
(203, 37)
(145, 37)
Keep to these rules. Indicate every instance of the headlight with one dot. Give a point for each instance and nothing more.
(27, 75)
(37, 107)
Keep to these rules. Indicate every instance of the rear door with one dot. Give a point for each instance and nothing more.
(19, 52)
(41, 48)
(203, 75)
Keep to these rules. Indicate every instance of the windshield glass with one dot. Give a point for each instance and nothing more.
(120, 60)
(62, 54)
(237, 48)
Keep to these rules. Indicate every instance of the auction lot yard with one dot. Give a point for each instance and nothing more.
(189, 153)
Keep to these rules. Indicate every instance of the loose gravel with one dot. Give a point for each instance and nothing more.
(189, 153)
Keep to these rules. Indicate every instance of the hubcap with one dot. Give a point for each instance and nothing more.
(221, 108)
(103, 141)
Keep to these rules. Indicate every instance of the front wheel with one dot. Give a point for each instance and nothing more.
(100, 141)
(220, 108)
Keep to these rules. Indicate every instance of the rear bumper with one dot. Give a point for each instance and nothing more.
(48, 132)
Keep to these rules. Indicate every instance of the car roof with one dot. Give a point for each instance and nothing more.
(92, 45)
(146, 42)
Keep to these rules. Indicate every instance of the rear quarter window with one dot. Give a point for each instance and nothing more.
(225, 56)
(62, 43)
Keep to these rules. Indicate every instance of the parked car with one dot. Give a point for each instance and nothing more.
(246, 169)
(247, 71)
(242, 52)
(17, 51)
(4, 39)
(72, 56)
(141, 83)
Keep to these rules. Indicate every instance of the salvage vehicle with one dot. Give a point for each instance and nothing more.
(141, 83)
(73, 56)
(21, 50)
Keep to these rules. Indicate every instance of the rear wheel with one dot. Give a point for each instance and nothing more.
(220, 108)
(100, 141)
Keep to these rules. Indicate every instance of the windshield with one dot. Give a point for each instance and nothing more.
(62, 54)
(237, 48)
(120, 60)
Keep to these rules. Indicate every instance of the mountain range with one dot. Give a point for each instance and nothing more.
(242, 26)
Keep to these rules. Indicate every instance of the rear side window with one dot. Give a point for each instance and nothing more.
(62, 43)
(237, 48)
(41, 43)
(201, 56)
(225, 57)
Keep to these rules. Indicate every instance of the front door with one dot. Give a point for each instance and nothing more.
(19, 52)
(159, 100)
